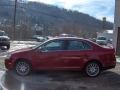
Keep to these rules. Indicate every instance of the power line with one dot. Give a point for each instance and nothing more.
(15, 6)
(32, 9)
(6, 5)
(44, 13)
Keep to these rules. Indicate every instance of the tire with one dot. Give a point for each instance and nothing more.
(22, 68)
(8, 47)
(92, 69)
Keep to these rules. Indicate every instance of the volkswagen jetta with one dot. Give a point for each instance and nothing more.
(67, 53)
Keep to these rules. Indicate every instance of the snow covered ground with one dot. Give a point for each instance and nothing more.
(15, 45)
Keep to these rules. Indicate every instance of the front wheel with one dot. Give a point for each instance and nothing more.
(92, 69)
(22, 68)
(8, 47)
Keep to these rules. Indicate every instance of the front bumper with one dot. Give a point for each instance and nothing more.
(4, 43)
(9, 64)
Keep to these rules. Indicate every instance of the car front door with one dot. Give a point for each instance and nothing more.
(48, 55)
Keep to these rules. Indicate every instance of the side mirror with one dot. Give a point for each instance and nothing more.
(42, 49)
(38, 50)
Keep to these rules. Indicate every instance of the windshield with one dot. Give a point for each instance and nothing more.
(37, 46)
(101, 38)
(2, 33)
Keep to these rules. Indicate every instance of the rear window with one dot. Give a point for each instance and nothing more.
(78, 45)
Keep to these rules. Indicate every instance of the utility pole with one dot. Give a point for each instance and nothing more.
(104, 23)
(14, 19)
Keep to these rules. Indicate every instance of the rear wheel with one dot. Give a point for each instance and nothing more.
(22, 68)
(92, 69)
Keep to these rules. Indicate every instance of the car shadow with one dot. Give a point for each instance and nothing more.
(61, 80)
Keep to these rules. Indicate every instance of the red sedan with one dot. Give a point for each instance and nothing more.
(62, 54)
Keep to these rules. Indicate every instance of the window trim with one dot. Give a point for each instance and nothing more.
(68, 40)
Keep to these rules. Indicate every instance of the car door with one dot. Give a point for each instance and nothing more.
(47, 55)
(76, 54)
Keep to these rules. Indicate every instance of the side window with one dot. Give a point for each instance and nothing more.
(78, 45)
(54, 45)
(87, 46)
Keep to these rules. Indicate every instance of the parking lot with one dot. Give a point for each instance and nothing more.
(59, 80)
(55, 80)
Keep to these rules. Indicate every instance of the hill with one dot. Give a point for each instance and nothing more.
(51, 19)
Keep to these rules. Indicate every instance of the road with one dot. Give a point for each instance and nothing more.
(61, 80)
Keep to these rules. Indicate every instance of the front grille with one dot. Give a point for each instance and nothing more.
(3, 39)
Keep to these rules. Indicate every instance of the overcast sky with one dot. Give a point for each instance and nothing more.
(96, 8)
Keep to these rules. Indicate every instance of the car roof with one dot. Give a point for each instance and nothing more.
(73, 38)
(69, 38)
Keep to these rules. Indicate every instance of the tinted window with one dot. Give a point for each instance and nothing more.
(86, 46)
(78, 45)
(2, 33)
(54, 45)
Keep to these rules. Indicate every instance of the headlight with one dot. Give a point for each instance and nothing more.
(8, 56)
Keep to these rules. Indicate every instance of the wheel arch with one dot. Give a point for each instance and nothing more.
(23, 59)
(93, 60)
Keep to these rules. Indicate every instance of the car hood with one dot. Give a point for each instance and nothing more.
(21, 50)
(4, 37)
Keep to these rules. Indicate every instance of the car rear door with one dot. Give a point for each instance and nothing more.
(76, 54)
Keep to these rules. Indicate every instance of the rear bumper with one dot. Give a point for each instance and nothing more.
(110, 67)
